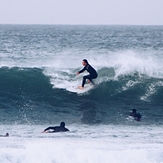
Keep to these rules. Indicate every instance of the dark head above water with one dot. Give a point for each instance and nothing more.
(62, 124)
(134, 110)
(7, 135)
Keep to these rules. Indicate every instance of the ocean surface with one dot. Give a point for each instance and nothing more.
(38, 88)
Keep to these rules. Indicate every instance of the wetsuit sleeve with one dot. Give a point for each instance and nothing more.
(49, 128)
(82, 70)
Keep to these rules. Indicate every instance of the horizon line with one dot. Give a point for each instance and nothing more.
(82, 24)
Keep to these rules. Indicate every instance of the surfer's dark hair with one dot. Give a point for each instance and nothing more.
(85, 61)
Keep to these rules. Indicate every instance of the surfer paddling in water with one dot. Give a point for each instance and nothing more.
(92, 73)
(60, 128)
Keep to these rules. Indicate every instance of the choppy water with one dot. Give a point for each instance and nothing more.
(37, 70)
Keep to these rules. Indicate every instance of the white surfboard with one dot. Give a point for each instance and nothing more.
(75, 89)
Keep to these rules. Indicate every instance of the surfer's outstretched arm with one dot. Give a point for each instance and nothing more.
(79, 72)
(49, 128)
(82, 70)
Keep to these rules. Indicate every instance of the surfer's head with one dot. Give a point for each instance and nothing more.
(84, 62)
(7, 134)
(62, 124)
(134, 110)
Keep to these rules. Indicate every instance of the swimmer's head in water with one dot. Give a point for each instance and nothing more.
(7, 134)
(134, 110)
(62, 124)
(84, 62)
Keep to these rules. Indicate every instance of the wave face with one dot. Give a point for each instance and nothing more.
(38, 66)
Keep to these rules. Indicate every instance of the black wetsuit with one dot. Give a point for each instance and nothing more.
(92, 74)
(57, 129)
(136, 116)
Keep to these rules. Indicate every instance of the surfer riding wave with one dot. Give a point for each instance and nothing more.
(92, 73)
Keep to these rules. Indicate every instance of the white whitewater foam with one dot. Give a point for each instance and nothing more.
(62, 75)
(152, 89)
(88, 144)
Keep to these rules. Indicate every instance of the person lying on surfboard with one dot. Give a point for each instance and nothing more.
(92, 73)
(7, 135)
(60, 128)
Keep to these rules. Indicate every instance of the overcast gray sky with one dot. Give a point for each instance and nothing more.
(131, 12)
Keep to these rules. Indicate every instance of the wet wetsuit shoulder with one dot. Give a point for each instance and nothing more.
(60, 129)
(90, 69)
